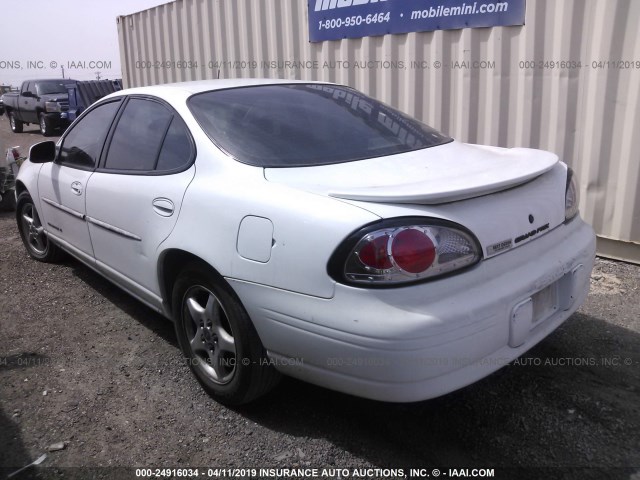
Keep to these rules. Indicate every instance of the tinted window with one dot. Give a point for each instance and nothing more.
(83, 144)
(176, 149)
(306, 124)
(138, 137)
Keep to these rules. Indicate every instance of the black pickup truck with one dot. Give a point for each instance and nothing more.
(39, 101)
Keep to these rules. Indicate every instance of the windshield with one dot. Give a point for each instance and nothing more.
(50, 87)
(306, 125)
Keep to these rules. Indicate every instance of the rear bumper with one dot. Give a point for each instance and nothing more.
(426, 340)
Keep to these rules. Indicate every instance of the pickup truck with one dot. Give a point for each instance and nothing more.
(38, 101)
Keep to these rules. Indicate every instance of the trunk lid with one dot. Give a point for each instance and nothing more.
(442, 174)
(442, 182)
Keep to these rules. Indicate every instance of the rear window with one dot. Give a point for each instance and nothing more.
(306, 125)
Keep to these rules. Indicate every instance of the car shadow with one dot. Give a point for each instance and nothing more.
(13, 454)
(27, 132)
(582, 382)
(146, 316)
(560, 406)
(32, 132)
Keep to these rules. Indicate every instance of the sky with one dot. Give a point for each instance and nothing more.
(81, 35)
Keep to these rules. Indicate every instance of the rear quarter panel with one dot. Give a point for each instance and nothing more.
(306, 227)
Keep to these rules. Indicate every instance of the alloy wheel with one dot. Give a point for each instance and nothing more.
(33, 230)
(209, 333)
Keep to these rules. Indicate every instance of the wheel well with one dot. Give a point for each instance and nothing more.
(20, 188)
(169, 267)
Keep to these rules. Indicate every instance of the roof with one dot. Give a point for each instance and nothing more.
(200, 86)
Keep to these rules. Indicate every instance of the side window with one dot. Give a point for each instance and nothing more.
(138, 136)
(176, 149)
(81, 147)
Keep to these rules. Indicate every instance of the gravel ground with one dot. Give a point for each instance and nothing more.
(85, 366)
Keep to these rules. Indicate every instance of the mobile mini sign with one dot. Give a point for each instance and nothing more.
(337, 19)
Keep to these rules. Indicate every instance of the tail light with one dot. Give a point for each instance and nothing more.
(402, 251)
(15, 152)
(571, 196)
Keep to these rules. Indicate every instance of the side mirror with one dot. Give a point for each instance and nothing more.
(27, 94)
(43, 152)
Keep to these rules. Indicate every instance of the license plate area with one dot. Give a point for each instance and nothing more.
(531, 312)
(545, 303)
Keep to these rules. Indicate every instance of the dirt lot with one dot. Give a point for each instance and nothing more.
(84, 364)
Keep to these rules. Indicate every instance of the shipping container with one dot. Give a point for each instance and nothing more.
(567, 81)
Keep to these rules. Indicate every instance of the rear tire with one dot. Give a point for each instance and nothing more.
(218, 338)
(16, 125)
(35, 240)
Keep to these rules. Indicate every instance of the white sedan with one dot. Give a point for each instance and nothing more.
(307, 229)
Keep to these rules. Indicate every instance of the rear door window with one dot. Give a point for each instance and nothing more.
(138, 136)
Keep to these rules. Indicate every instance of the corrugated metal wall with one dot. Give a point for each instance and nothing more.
(589, 116)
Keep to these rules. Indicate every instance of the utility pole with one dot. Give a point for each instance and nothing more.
(97, 75)
(62, 70)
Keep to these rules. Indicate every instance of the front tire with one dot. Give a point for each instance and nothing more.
(218, 338)
(32, 232)
(45, 126)
(16, 125)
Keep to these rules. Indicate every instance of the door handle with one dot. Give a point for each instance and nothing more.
(163, 207)
(76, 188)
